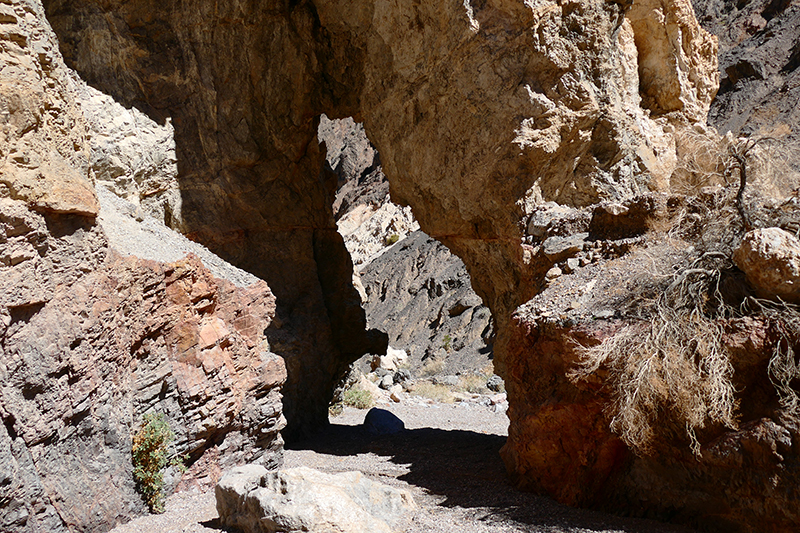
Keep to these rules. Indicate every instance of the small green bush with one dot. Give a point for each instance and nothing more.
(358, 398)
(446, 342)
(391, 239)
(149, 456)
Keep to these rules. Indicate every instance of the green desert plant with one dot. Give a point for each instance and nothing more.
(446, 340)
(358, 398)
(149, 456)
(391, 239)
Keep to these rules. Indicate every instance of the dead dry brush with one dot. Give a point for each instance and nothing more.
(669, 370)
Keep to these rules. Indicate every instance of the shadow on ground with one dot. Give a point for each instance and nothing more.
(464, 467)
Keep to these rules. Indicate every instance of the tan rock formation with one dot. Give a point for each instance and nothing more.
(770, 258)
(89, 340)
(243, 87)
(43, 149)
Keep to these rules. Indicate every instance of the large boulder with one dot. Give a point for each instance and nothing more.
(770, 258)
(255, 500)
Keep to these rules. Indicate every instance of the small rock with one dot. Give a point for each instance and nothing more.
(572, 264)
(495, 383)
(395, 392)
(402, 375)
(553, 273)
(386, 382)
(770, 258)
(498, 399)
(448, 381)
(559, 248)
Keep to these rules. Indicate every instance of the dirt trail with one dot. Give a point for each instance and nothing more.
(447, 457)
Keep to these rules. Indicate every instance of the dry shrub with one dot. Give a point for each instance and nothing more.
(432, 391)
(472, 383)
(672, 367)
(432, 366)
(702, 160)
(668, 370)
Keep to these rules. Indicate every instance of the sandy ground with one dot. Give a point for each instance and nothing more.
(447, 457)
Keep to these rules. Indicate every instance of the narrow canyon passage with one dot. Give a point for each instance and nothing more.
(560, 149)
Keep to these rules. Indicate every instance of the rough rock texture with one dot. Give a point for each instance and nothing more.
(482, 111)
(770, 258)
(419, 293)
(302, 499)
(242, 85)
(349, 154)
(43, 148)
(132, 155)
(760, 66)
(90, 340)
(740, 479)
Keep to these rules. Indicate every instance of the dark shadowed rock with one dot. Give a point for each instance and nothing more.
(382, 422)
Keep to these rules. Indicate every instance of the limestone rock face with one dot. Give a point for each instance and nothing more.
(302, 499)
(770, 258)
(242, 86)
(43, 147)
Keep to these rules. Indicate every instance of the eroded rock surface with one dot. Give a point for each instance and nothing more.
(91, 340)
(419, 293)
(482, 112)
(249, 167)
(302, 499)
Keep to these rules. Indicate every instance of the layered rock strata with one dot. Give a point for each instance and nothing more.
(242, 87)
(483, 112)
(91, 340)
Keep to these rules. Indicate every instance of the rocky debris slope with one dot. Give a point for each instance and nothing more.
(90, 341)
(419, 293)
(759, 64)
(255, 500)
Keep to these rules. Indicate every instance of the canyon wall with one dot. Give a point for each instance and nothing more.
(493, 118)
(91, 340)
(243, 85)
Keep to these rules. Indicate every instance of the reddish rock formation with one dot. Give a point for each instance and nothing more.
(89, 340)
(483, 111)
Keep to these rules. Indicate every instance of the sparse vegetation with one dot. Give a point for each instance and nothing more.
(669, 370)
(358, 398)
(473, 383)
(391, 239)
(149, 456)
(432, 391)
(446, 340)
(432, 366)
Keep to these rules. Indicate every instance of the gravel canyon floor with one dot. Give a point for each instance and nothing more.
(447, 457)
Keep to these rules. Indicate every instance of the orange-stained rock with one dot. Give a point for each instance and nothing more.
(90, 341)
